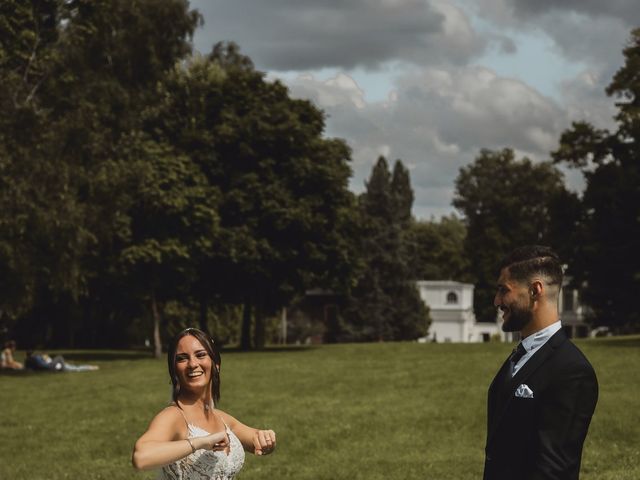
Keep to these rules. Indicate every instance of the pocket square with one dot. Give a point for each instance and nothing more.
(523, 391)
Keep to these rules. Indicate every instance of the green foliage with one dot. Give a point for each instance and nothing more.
(608, 231)
(437, 249)
(77, 75)
(506, 203)
(284, 203)
(385, 303)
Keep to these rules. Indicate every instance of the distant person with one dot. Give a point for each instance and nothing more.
(542, 399)
(43, 362)
(192, 439)
(6, 357)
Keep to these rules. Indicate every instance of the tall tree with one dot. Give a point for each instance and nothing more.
(604, 257)
(284, 199)
(385, 303)
(506, 203)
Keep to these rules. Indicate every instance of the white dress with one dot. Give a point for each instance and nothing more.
(206, 464)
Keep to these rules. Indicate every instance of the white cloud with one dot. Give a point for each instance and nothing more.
(437, 121)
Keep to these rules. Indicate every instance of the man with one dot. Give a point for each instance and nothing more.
(541, 401)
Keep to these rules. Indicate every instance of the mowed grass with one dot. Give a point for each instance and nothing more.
(370, 411)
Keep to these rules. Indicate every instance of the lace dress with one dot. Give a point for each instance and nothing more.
(206, 464)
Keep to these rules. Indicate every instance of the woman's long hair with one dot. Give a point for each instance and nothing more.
(208, 344)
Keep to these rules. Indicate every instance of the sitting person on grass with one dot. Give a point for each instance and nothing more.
(6, 357)
(35, 361)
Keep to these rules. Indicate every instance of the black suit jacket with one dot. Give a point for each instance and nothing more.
(541, 437)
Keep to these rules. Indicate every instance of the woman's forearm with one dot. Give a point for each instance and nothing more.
(151, 454)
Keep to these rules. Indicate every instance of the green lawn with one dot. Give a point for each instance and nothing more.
(372, 411)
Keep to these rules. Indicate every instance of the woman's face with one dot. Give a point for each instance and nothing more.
(193, 364)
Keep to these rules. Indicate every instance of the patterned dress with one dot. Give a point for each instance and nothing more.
(206, 464)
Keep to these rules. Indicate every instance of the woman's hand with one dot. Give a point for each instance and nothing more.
(264, 442)
(218, 441)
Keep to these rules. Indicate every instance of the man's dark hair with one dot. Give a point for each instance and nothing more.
(526, 261)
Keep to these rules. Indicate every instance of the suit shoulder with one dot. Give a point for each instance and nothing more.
(571, 357)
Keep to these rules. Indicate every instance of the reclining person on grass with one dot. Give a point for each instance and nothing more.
(35, 361)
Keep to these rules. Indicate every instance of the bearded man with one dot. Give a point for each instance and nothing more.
(542, 399)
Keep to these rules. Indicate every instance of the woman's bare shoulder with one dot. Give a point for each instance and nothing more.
(170, 419)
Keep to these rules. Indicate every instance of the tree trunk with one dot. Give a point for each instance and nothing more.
(258, 333)
(245, 334)
(157, 343)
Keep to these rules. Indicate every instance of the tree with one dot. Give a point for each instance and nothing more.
(385, 303)
(76, 76)
(284, 201)
(174, 217)
(437, 249)
(506, 203)
(604, 258)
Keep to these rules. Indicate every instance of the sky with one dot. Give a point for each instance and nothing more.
(432, 82)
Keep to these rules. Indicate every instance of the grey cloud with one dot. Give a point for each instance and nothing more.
(590, 31)
(286, 35)
(585, 100)
(626, 10)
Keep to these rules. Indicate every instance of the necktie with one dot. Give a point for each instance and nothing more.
(516, 355)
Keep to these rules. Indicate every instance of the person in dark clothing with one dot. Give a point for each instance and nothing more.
(542, 399)
(43, 362)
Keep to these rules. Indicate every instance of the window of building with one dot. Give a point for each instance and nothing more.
(452, 297)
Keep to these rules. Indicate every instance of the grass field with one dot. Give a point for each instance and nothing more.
(370, 411)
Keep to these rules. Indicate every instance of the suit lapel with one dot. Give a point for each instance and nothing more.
(525, 372)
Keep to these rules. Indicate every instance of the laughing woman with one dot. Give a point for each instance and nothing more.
(191, 438)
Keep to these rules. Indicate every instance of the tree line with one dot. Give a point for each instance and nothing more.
(144, 188)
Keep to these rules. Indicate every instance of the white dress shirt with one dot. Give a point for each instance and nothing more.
(533, 342)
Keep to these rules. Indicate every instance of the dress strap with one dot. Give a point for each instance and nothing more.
(181, 413)
(222, 420)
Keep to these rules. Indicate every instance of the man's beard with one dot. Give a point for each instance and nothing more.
(518, 318)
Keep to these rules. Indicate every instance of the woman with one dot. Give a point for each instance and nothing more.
(6, 357)
(191, 438)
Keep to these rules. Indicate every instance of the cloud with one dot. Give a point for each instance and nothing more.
(592, 31)
(587, 33)
(443, 107)
(284, 35)
(625, 10)
(436, 121)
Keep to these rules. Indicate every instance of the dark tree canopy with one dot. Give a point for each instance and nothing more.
(604, 257)
(385, 303)
(506, 203)
(134, 176)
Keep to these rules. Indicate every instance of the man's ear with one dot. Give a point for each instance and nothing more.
(536, 289)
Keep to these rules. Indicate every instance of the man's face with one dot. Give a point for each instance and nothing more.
(512, 298)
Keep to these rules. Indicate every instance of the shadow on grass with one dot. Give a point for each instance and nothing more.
(77, 356)
(87, 356)
(15, 373)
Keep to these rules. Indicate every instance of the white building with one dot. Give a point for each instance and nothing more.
(451, 309)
